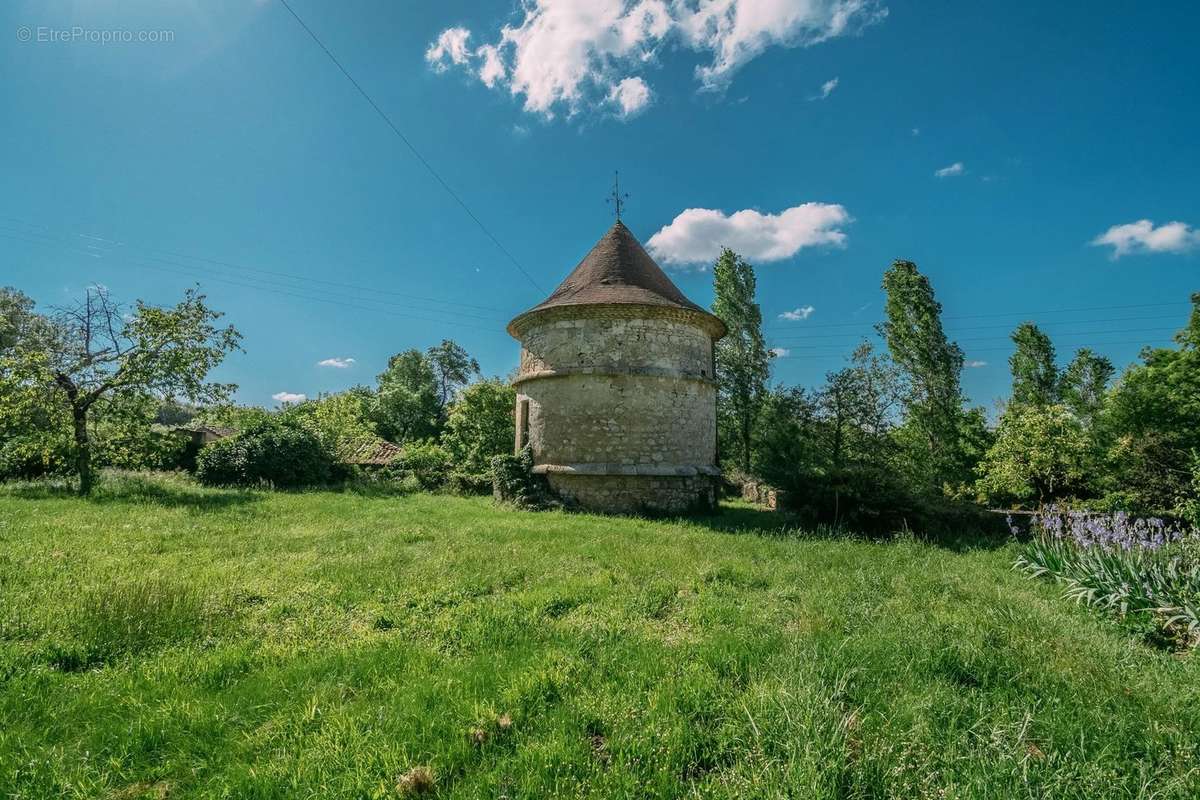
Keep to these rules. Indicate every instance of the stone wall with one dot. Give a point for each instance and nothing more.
(621, 420)
(618, 406)
(647, 345)
(624, 494)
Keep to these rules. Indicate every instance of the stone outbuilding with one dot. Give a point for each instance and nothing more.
(616, 395)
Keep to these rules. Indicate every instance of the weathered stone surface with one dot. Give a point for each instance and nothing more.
(615, 390)
(620, 406)
(631, 494)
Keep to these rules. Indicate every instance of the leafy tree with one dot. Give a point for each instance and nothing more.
(1034, 373)
(1040, 454)
(858, 403)
(17, 318)
(453, 369)
(788, 450)
(230, 415)
(33, 441)
(1152, 415)
(1084, 383)
(171, 411)
(742, 360)
(408, 402)
(931, 367)
(92, 357)
(341, 421)
(834, 448)
(480, 426)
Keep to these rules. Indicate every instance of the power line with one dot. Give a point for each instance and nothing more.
(813, 353)
(953, 334)
(210, 274)
(957, 340)
(409, 144)
(334, 302)
(96, 251)
(989, 316)
(188, 272)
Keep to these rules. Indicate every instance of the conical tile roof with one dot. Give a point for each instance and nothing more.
(617, 270)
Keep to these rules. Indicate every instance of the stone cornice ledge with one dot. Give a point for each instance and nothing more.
(702, 319)
(611, 372)
(659, 470)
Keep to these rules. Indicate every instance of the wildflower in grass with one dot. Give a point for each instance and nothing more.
(1132, 566)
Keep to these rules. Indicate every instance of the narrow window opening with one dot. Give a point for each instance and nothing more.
(522, 423)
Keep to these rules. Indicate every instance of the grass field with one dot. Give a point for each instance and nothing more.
(161, 640)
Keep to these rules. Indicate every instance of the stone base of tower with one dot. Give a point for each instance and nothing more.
(635, 494)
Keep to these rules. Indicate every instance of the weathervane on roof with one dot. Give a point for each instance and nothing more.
(617, 199)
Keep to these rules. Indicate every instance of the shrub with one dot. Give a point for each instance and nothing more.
(277, 452)
(874, 500)
(1139, 568)
(470, 483)
(514, 481)
(428, 464)
(480, 426)
(33, 456)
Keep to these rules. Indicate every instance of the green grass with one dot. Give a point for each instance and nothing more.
(161, 640)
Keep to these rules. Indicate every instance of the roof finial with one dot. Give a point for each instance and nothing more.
(617, 199)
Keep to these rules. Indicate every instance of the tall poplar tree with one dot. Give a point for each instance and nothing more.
(742, 360)
(932, 367)
(1084, 383)
(1034, 373)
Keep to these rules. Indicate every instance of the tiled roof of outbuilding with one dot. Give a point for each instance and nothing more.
(376, 453)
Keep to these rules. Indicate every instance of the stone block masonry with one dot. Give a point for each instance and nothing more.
(619, 407)
(616, 393)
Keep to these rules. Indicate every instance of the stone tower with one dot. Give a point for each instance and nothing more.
(615, 392)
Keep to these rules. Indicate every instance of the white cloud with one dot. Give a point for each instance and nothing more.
(797, 314)
(780, 352)
(737, 31)
(493, 70)
(573, 54)
(337, 363)
(288, 397)
(451, 46)
(630, 96)
(698, 234)
(975, 364)
(1143, 237)
(956, 168)
(826, 89)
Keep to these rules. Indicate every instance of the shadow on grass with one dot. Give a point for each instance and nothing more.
(744, 518)
(166, 490)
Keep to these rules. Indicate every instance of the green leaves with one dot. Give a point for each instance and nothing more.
(279, 452)
(1161, 584)
(1034, 373)
(939, 434)
(480, 426)
(742, 360)
(85, 367)
(407, 405)
(1041, 453)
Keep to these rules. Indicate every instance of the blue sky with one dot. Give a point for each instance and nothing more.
(149, 146)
